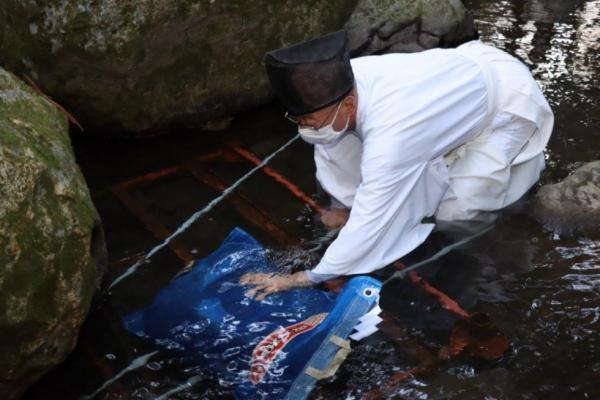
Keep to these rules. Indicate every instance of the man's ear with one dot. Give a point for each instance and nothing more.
(352, 102)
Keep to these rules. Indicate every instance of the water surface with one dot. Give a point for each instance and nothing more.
(541, 289)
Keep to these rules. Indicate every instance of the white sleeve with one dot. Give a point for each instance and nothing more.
(338, 168)
(385, 220)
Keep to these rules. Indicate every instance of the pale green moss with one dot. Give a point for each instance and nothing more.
(143, 65)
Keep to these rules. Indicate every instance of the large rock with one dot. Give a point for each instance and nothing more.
(151, 65)
(146, 65)
(51, 241)
(572, 205)
(406, 26)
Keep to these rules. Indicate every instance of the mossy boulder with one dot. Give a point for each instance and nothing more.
(51, 241)
(572, 205)
(143, 66)
(146, 67)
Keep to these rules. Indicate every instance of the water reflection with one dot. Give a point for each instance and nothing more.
(557, 39)
(542, 289)
(586, 56)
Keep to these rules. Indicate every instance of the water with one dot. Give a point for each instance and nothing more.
(198, 214)
(540, 289)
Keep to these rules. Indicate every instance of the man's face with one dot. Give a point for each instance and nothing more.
(325, 116)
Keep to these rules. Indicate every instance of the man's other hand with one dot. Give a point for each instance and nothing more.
(266, 284)
(335, 218)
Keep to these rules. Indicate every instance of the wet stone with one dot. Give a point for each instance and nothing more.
(573, 205)
(405, 26)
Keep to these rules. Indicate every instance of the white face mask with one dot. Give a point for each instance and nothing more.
(325, 134)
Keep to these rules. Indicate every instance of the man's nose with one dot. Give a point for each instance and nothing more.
(306, 122)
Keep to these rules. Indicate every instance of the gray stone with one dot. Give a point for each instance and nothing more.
(406, 26)
(51, 241)
(145, 67)
(572, 205)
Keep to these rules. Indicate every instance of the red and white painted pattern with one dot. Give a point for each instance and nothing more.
(266, 351)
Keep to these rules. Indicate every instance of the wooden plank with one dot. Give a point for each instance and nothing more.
(293, 188)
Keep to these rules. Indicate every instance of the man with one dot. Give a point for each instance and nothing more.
(453, 134)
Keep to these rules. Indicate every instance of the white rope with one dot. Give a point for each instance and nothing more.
(131, 270)
(135, 364)
(403, 273)
(194, 380)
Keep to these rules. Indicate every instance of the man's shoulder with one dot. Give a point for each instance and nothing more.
(373, 60)
(428, 57)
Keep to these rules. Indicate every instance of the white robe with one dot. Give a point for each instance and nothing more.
(446, 133)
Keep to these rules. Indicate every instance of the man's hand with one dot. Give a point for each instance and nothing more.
(266, 284)
(334, 218)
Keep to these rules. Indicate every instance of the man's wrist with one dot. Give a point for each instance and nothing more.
(335, 203)
(301, 279)
(315, 278)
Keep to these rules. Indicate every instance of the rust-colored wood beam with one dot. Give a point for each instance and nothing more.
(152, 176)
(293, 188)
(446, 301)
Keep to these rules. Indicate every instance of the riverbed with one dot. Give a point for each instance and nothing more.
(539, 288)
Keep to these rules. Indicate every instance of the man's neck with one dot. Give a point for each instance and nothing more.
(353, 118)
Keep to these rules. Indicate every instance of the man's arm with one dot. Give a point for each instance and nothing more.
(338, 169)
(385, 220)
(384, 225)
(335, 217)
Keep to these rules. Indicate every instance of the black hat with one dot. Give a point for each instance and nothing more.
(311, 75)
